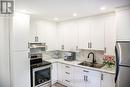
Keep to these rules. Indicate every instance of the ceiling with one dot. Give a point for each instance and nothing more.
(63, 9)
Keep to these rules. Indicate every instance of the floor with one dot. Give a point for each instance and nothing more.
(58, 85)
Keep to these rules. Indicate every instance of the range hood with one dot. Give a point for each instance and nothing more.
(37, 45)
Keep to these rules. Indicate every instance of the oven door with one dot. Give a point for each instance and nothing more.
(42, 76)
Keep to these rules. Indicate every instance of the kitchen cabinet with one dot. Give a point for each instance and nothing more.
(97, 34)
(5, 22)
(67, 36)
(60, 73)
(107, 80)
(123, 23)
(20, 67)
(68, 73)
(74, 76)
(54, 73)
(51, 36)
(45, 32)
(20, 63)
(110, 35)
(91, 33)
(86, 78)
(84, 34)
(20, 32)
(65, 74)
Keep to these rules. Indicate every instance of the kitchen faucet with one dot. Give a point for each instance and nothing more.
(94, 60)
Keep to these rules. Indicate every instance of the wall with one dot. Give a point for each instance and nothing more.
(80, 56)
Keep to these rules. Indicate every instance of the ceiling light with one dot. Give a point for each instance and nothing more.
(74, 14)
(103, 8)
(56, 19)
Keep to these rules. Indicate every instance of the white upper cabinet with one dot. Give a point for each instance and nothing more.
(20, 31)
(51, 37)
(110, 35)
(37, 29)
(97, 34)
(45, 31)
(123, 24)
(83, 34)
(67, 35)
(91, 33)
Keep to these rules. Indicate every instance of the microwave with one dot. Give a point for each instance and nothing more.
(69, 56)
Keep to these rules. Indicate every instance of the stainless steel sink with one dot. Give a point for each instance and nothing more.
(90, 64)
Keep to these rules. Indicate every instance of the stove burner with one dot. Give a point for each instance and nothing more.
(43, 63)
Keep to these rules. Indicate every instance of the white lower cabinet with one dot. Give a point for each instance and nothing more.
(86, 78)
(107, 80)
(54, 73)
(73, 76)
(65, 74)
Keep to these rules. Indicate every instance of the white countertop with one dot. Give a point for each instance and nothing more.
(76, 62)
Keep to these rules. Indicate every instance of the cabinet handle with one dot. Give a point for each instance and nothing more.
(85, 71)
(104, 49)
(67, 72)
(67, 66)
(101, 76)
(77, 47)
(67, 80)
(90, 45)
(62, 47)
(36, 38)
(28, 45)
(46, 47)
(86, 78)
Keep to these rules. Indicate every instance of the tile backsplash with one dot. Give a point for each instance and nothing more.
(81, 55)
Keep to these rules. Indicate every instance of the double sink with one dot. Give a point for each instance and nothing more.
(90, 64)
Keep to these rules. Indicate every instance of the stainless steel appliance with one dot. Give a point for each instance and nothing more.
(122, 77)
(69, 56)
(40, 70)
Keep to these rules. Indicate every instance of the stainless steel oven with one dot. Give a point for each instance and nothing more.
(42, 76)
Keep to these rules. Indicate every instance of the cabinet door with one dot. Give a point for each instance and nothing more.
(68, 35)
(60, 73)
(4, 52)
(94, 79)
(107, 80)
(110, 35)
(41, 30)
(83, 34)
(123, 24)
(51, 36)
(20, 69)
(97, 34)
(20, 31)
(79, 77)
(54, 73)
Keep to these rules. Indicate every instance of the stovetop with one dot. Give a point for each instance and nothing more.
(43, 63)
